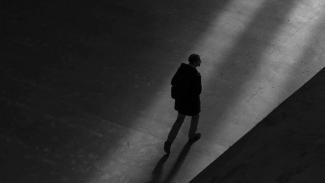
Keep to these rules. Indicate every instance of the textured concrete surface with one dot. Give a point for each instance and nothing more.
(287, 146)
(85, 86)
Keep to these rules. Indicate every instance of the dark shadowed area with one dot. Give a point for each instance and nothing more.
(68, 68)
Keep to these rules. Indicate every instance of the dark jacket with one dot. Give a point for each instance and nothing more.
(186, 90)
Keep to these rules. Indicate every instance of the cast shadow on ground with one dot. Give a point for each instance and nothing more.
(158, 170)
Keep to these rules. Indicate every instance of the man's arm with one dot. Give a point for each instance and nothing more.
(197, 85)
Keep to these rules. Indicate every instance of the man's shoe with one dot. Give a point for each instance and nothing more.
(167, 147)
(195, 137)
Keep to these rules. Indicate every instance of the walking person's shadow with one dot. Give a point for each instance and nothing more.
(180, 159)
(158, 170)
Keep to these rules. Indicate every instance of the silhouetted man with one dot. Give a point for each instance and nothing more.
(186, 90)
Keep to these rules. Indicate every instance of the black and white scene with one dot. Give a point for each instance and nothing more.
(161, 91)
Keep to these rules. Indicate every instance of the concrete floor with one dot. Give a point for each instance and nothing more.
(286, 146)
(85, 88)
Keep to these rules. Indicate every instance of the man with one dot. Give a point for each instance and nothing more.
(186, 90)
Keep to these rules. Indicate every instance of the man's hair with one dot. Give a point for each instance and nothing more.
(193, 58)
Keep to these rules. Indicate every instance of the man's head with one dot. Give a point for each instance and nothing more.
(194, 60)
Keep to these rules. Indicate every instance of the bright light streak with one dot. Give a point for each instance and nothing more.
(279, 62)
(268, 88)
(224, 32)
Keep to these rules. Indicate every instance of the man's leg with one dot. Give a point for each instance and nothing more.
(176, 126)
(192, 135)
(173, 132)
